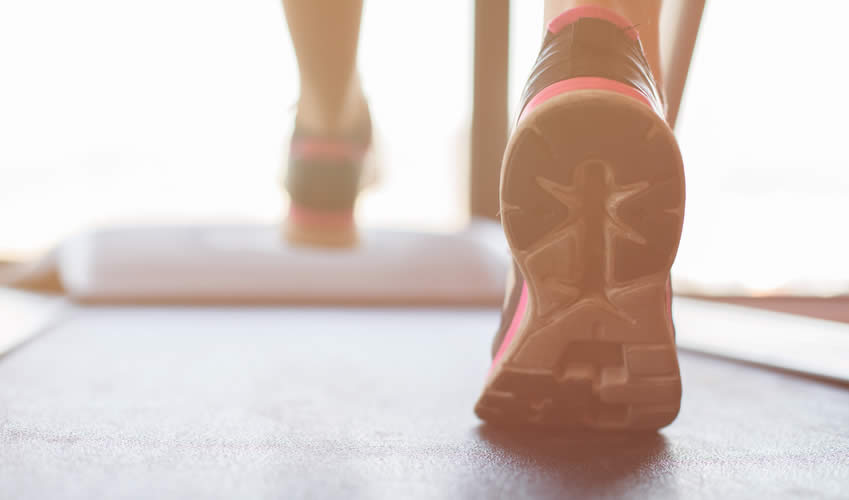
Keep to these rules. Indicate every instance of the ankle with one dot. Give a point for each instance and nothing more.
(345, 117)
(642, 13)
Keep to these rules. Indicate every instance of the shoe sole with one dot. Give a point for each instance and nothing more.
(320, 230)
(298, 235)
(592, 204)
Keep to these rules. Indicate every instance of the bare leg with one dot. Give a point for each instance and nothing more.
(645, 14)
(325, 34)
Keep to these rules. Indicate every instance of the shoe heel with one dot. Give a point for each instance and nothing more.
(592, 197)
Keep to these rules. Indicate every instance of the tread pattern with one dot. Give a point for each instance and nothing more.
(592, 205)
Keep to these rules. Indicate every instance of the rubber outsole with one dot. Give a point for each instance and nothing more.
(309, 236)
(592, 204)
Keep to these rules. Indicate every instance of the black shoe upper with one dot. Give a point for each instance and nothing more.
(322, 181)
(591, 47)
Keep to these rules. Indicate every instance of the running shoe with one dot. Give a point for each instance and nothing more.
(592, 204)
(324, 178)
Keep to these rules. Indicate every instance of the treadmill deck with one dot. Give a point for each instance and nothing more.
(183, 402)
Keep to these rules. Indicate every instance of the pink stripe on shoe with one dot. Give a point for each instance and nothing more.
(326, 149)
(591, 11)
(514, 324)
(329, 220)
(585, 83)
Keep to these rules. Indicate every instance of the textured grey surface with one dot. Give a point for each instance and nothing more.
(333, 403)
(25, 314)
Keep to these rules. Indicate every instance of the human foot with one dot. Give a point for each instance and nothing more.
(592, 201)
(323, 179)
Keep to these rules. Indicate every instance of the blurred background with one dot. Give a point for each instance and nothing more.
(178, 110)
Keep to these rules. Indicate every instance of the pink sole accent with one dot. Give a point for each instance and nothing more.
(584, 83)
(669, 298)
(328, 220)
(514, 324)
(591, 11)
(326, 149)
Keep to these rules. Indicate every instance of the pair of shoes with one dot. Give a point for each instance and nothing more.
(592, 201)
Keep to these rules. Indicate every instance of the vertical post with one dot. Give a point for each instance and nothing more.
(678, 51)
(489, 111)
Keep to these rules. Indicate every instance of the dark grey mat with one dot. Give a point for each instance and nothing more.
(329, 403)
